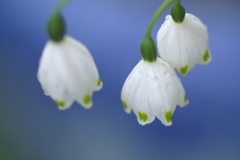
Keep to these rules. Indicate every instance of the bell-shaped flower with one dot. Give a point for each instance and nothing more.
(184, 44)
(153, 89)
(67, 73)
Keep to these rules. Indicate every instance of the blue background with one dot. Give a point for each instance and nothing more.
(32, 127)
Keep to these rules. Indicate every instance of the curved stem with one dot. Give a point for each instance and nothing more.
(156, 15)
(61, 4)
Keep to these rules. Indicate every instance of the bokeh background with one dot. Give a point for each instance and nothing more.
(32, 127)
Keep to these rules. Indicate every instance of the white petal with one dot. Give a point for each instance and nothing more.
(135, 94)
(82, 70)
(51, 80)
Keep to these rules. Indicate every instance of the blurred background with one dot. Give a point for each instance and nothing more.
(33, 128)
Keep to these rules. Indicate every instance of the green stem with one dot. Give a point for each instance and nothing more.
(61, 4)
(156, 15)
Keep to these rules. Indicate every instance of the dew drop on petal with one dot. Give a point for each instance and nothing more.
(153, 82)
(166, 74)
(139, 72)
(167, 17)
(161, 109)
(169, 86)
(181, 95)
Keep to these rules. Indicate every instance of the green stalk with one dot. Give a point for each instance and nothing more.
(156, 16)
(61, 4)
(148, 48)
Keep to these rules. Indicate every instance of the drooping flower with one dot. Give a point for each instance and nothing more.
(183, 44)
(67, 72)
(153, 89)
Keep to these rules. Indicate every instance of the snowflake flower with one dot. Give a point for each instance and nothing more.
(153, 89)
(67, 72)
(185, 44)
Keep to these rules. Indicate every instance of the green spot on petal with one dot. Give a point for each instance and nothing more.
(206, 56)
(125, 105)
(99, 82)
(184, 70)
(185, 98)
(143, 116)
(168, 116)
(87, 99)
(60, 104)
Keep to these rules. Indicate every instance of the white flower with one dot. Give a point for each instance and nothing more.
(185, 44)
(153, 89)
(67, 72)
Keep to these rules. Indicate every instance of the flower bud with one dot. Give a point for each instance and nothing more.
(148, 50)
(56, 27)
(178, 13)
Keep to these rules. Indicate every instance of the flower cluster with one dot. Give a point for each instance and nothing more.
(67, 71)
(153, 89)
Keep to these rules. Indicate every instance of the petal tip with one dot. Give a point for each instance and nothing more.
(60, 104)
(168, 118)
(184, 70)
(206, 56)
(99, 85)
(185, 98)
(125, 107)
(142, 117)
(87, 101)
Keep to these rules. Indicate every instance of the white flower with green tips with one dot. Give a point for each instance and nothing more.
(183, 44)
(153, 89)
(67, 73)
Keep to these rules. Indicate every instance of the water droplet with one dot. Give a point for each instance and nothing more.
(167, 17)
(181, 95)
(161, 109)
(153, 82)
(139, 72)
(166, 74)
(169, 86)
